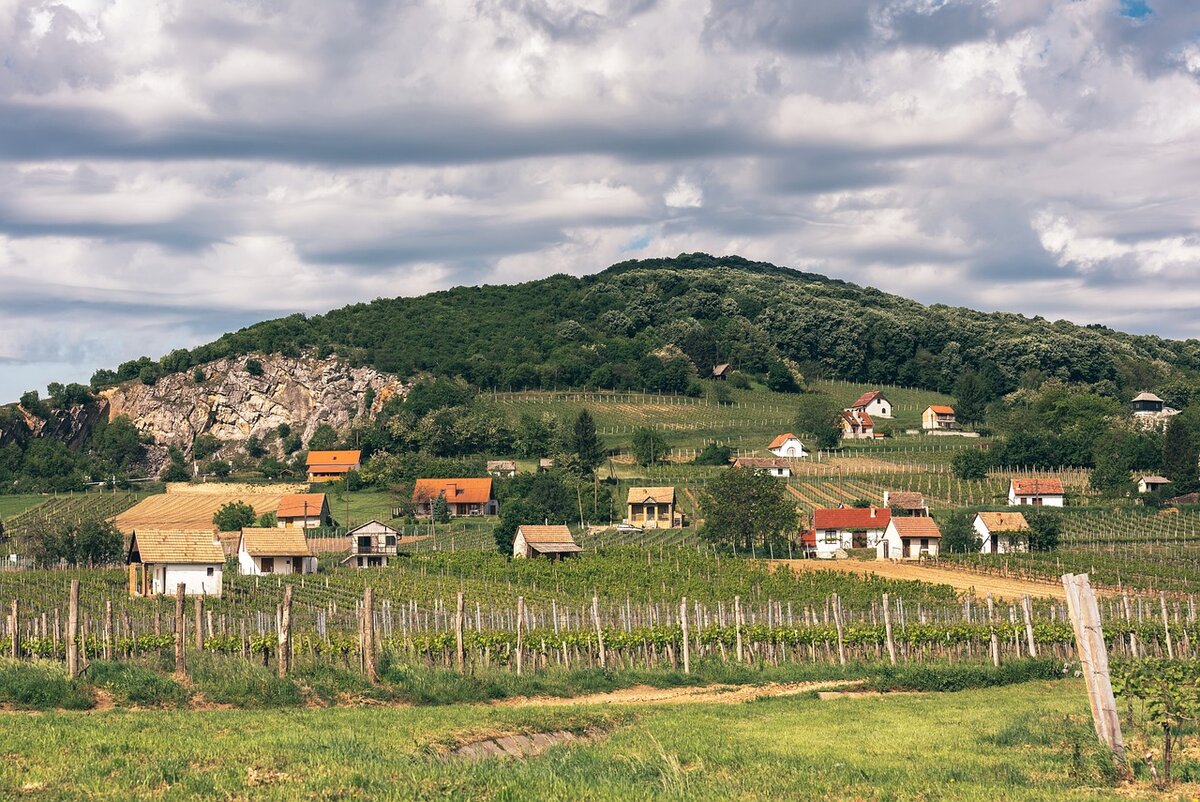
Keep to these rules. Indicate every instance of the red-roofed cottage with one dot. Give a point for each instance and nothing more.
(463, 496)
(787, 445)
(874, 404)
(857, 425)
(845, 528)
(1036, 492)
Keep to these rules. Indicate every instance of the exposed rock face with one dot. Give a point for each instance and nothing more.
(232, 405)
(72, 425)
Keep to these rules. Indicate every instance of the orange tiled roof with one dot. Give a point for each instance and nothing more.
(1037, 487)
(852, 518)
(865, 399)
(333, 461)
(458, 491)
(781, 439)
(916, 527)
(941, 409)
(299, 505)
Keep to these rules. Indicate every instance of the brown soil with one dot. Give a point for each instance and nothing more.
(998, 586)
(646, 695)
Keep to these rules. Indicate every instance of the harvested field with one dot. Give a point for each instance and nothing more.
(188, 510)
(999, 586)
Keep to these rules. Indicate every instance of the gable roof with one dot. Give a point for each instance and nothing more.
(761, 462)
(1004, 521)
(179, 546)
(661, 495)
(1147, 397)
(458, 491)
(380, 528)
(916, 527)
(276, 542)
(501, 465)
(857, 417)
(721, 369)
(1156, 480)
(941, 409)
(1037, 487)
(333, 461)
(781, 439)
(300, 505)
(867, 398)
(851, 518)
(552, 539)
(906, 500)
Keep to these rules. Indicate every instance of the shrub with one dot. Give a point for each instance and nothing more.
(233, 681)
(233, 516)
(39, 687)
(960, 678)
(137, 685)
(254, 367)
(713, 454)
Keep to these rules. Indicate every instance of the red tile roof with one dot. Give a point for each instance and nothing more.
(458, 491)
(333, 461)
(852, 518)
(856, 417)
(916, 527)
(781, 439)
(1037, 487)
(298, 505)
(865, 399)
(940, 409)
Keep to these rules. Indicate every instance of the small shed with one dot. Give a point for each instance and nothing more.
(874, 403)
(554, 542)
(1148, 484)
(160, 560)
(371, 545)
(275, 551)
(502, 468)
(1147, 404)
(721, 372)
(652, 508)
(545, 463)
(909, 539)
(773, 466)
(911, 502)
(788, 446)
(1002, 532)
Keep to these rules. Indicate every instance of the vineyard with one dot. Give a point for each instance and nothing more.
(70, 508)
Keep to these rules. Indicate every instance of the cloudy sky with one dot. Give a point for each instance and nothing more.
(172, 169)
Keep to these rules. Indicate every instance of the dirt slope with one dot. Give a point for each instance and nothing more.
(998, 586)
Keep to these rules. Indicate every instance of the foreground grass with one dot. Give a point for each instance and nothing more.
(1025, 742)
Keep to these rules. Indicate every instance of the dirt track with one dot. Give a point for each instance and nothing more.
(982, 584)
(646, 695)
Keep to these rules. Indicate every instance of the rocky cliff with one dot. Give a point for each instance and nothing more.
(233, 404)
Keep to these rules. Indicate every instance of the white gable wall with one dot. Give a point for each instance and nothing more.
(197, 579)
(791, 448)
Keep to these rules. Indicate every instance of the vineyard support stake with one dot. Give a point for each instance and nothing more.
(1093, 658)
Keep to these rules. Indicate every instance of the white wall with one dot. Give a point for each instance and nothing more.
(879, 408)
(194, 577)
(252, 566)
(845, 540)
(520, 549)
(896, 549)
(792, 448)
(1047, 501)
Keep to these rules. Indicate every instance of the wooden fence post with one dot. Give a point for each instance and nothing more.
(285, 633)
(683, 623)
(1162, 600)
(1093, 659)
(520, 633)
(837, 622)
(737, 624)
(199, 634)
(599, 631)
(16, 630)
(887, 629)
(73, 630)
(368, 634)
(1027, 609)
(995, 639)
(458, 634)
(108, 629)
(180, 665)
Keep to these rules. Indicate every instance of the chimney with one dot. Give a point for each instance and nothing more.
(872, 512)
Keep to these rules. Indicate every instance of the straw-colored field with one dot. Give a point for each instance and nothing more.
(188, 510)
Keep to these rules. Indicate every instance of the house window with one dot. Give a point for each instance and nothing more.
(1037, 501)
(831, 536)
(210, 570)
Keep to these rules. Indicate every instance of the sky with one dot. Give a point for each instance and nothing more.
(173, 170)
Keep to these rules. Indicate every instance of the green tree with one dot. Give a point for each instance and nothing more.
(176, 469)
(98, 542)
(324, 438)
(1179, 455)
(219, 468)
(958, 535)
(971, 396)
(1113, 456)
(713, 454)
(972, 463)
(441, 510)
(1045, 527)
(649, 446)
(744, 508)
(119, 443)
(780, 379)
(254, 367)
(268, 520)
(819, 415)
(254, 447)
(233, 516)
(585, 443)
(204, 446)
(198, 375)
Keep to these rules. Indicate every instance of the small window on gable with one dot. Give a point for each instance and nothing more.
(210, 570)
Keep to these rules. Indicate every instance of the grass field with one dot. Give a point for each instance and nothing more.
(1023, 742)
(14, 505)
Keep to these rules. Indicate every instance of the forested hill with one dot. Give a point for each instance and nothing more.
(653, 324)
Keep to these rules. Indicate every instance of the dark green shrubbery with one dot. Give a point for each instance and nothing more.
(960, 678)
(31, 686)
(135, 684)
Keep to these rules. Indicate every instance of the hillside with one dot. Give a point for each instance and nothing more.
(604, 331)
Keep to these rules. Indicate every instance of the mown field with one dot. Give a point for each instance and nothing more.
(1023, 742)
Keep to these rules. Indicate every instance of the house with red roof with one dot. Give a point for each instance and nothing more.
(463, 496)
(329, 466)
(938, 417)
(842, 528)
(304, 510)
(788, 446)
(1036, 492)
(874, 404)
(909, 539)
(857, 425)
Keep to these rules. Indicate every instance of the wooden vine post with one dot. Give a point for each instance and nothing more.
(887, 629)
(995, 638)
(458, 634)
(285, 633)
(520, 633)
(1093, 659)
(108, 629)
(73, 630)
(737, 624)
(599, 631)
(1162, 600)
(683, 623)
(16, 630)
(199, 633)
(180, 665)
(841, 635)
(367, 639)
(1027, 609)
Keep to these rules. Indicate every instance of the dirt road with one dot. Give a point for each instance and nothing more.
(708, 694)
(998, 586)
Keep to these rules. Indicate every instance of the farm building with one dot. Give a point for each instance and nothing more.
(911, 502)
(909, 539)
(842, 528)
(721, 372)
(303, 510)
(1036, 492)
(371, 545)
(874, 404)
(274, 551)
(857, 425)
(1148, 484)
(1147, 404)
(545, 463)
(787, 445)
(553, 542)
(653, 508)
(1001, 532)
(463, 496)
(502, 468)
(168, 558)
(774, 466)
(329, 466)
(938, 418)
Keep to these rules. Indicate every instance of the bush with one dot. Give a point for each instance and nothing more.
(233, 516)
(233, 681)
(254, 367)
(971, 464)
(713, 454)
(134, 684)
(942, 678)
(39, 687)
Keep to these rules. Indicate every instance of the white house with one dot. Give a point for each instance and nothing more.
(773, 466)
(939, 418)
(857, 425)
(874, 404)
(1002, 532)
(1148, 484)
(844, 528)
(1036, 492)
(371, 545)
(303, 510)
(168, 558)
(275, 551)
(787, 445)
(554, 542)
(909, 539)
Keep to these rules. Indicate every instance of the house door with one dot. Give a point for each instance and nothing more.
(885, 550)
(268, 565)
(858, 540)
(994, 548)
(297, 565)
